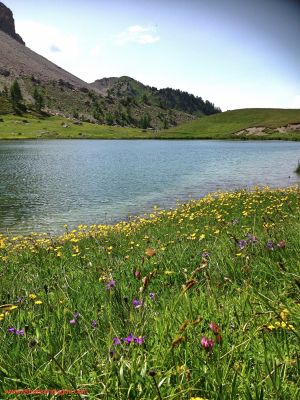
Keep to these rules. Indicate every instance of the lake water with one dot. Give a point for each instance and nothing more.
(46, 184)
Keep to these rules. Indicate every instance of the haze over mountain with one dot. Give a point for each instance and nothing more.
(114, 101)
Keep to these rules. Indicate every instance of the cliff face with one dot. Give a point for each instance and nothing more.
(7, 23)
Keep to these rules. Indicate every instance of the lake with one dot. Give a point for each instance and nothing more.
(46, 184)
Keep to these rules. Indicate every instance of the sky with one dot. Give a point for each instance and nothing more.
(235, 53)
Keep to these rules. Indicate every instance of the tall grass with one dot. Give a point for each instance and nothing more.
(198, 301)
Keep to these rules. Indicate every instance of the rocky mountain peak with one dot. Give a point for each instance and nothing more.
(7, 23)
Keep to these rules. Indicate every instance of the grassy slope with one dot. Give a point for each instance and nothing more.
(224, 125)
(218, 126)
(231, 259)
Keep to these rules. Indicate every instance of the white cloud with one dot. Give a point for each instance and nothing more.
(55, 49)
(138, 34)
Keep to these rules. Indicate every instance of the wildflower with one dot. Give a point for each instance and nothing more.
(137, 304)
(208, 344)
(205, 254)
(32, 296)
(138, 274)
(251, 238)
(152, 296)
(116, 341)
(139, 340)
(94, 324)
(214, 327)
(76, 315)
(111, 284)
(38, 302)
(150, 252)
(197, 398)
(270, 245)
(284, 314)
(18, 332)
(281, 244)
(129, 339)
(241, 244)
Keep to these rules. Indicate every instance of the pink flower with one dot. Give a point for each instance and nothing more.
(207, 343)
(214, 327)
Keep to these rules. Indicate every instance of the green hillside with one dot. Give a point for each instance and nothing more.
(229, 124)
(129, 91)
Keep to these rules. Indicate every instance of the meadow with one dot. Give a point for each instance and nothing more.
(223, 125)
(196, 302)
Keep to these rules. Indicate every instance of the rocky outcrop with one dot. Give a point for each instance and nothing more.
(7, 23)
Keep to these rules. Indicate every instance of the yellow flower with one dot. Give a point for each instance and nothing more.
(38, 302)
(32, 296)
(197, 398)
(284, 315)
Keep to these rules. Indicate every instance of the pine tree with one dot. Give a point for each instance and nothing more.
(16, 97)
(39, 100)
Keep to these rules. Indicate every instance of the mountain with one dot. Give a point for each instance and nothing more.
(7, 23)
(113, 101)
(167, 98)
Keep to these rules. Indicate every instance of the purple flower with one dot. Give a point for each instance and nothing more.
(116, 341)
(130, 338)
(111, 284)
(242, 244)
(137, 304)
(152, 296)
(20, 332)
(205, 254)
(270, 245)
(139, 340)
(94, 324)
(252, 238)
(76, 315)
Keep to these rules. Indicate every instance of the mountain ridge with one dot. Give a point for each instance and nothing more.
(120, 101)
(7, 23)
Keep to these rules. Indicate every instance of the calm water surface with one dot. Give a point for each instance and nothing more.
(45, 184)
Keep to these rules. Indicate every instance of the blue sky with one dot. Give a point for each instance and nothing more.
(235, 53)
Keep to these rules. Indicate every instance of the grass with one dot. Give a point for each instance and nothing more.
(226, 124)
(209, 290)
(218, 126)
